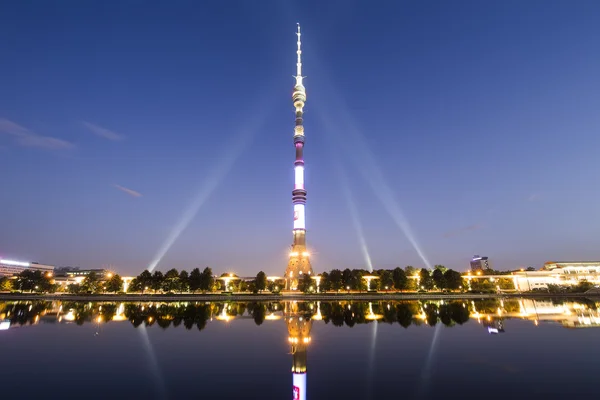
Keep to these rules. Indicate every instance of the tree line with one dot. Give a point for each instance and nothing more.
(335, 280)
(398, 279)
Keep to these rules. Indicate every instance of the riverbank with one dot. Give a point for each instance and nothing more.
(286, 296)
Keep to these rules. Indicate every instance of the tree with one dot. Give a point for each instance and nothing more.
(506, 283)
(135, 286)
(144, 280)
(400, 279)
(74, 288)
(91, 283)
(410, 270)
(358, 283)
(453, 279)
(261, 281)
(482, 285)
(335, 279)
(6, 284)
(184, 281)
(441, 268)
(386, 280)
(195, 280)
(306, 284)
(426, 281)
(347, 278)
(438, 278)
(157, 281)
(27, 280)
(114, 284)
(325, 284)
(207, 280)
(171, 280)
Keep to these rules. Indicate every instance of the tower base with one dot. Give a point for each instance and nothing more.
(298, 265)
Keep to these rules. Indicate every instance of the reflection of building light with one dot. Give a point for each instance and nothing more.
(272, 317)
(70, 316)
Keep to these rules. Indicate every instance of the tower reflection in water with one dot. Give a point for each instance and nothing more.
(299, 325)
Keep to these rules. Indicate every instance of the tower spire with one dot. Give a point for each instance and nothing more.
(299, 262)
(299, 62)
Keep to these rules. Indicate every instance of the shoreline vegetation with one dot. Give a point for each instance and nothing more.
(285, 296)
(408, 283)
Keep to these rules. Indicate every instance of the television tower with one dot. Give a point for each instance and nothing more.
(299, 263)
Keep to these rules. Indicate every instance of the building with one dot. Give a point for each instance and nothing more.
(480, 263)
(299, 262)
(558, 273)
(100, 273)
(12, 267)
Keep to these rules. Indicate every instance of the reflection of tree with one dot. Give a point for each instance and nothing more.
(459, 312)
(404, 314)
(446, 315)
(431, 313)
(258, 311)
(108, 311)
(26, 313)
(338, 313)
(487, 306)
(390, 314)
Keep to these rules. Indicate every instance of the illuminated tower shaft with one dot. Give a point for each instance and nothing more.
(299, 263)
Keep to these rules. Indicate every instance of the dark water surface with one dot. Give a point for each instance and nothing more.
(338, 350)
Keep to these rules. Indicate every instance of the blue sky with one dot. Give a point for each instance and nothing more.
(458, 128)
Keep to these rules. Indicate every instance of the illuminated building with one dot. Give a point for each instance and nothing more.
(299, 327)
(12, 267)
(299, 262)
(558, 273)
(480, 263)
(100, 273)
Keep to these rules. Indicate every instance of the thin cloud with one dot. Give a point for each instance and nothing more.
(27, 138)
(103, 132)
(533, 197)
(130, 192)
(462, 230)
